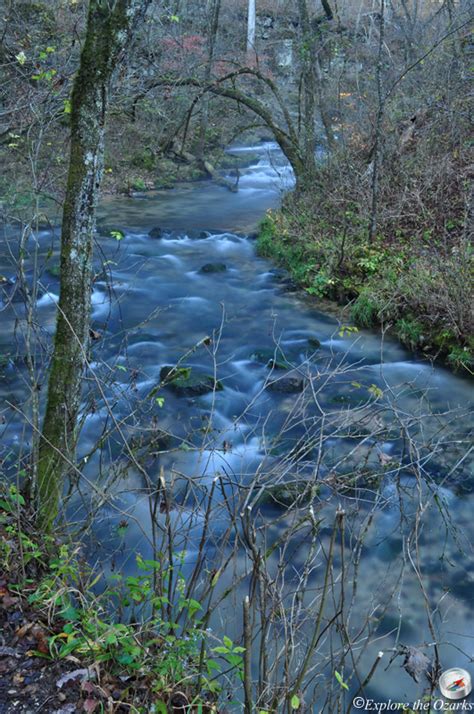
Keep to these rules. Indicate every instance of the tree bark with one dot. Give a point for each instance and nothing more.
(214, 13)
(376, 156)
(307, 53)
(327, 9)
(110, 26)
(251, 22)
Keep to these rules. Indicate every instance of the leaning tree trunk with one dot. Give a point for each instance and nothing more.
(110, 26)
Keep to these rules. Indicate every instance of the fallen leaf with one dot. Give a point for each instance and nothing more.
(8, 652)
(22, 631)
(67, 709)
(88, 687)
(81, 674)
(90, 705)
(416, 663)
(41, 638)
(6, 596)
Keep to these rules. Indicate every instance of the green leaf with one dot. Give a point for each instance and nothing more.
(69, 647)
(160, 401)
(235, 660)
(21, 58)
(160, 707)
(340, 680)
(228, 642)
(70, 613)
(67, 106)
(376, 391)
(118, 235)
(212, 665)
(295, 702)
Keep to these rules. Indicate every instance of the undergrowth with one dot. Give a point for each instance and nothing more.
(124, 627)
(424, 297)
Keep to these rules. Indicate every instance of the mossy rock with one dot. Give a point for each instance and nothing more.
(210, 268)
(286, 495)
(150, 442)
(164, 182)
(363, 479)
(287, 385)
(184, 382)
(313, 343)
(297, 448)
(240, 160)
(273, 359)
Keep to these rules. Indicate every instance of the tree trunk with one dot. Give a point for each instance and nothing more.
(307, 53)
(110, 26)
(251, 22)
(376, 156)
(214, 13)
(327, 9)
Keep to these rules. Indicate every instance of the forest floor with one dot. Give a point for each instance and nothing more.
(60, 650)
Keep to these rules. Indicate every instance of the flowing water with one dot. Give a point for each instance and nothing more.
(152, 304)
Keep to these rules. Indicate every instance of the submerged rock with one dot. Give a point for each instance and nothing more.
(314, 343)
(287, 385)
(213, 268)
(156, 232)
(186, 383)
(300, 493)
(364, 478)
(270, 358)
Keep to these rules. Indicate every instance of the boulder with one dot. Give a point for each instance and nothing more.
(156, 232)
(313, 343)
(274, 359)
(184, 382)
(287, 495)
(287, 385)
(213, 268)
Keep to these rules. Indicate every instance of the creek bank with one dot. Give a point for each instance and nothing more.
(396, 286)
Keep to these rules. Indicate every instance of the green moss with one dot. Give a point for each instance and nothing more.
(138, 184)
(461, 358)
(365, 310)
(186, 383)
(144, 159)
(410, 331)
(266, 237)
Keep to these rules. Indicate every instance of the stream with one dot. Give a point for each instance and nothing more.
(384, 409)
